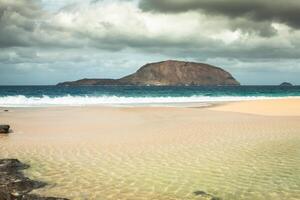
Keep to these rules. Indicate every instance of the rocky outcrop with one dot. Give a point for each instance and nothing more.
(168, 73)
(15, 186)
(4, 129)
(286, 84)
(180, 73)
(203, 195)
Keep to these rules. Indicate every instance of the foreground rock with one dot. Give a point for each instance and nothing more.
(4, 129)
(167, 73)
(203, 195)
(286, 84)
(14, 185)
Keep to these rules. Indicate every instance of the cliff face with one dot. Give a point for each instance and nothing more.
(168, 73)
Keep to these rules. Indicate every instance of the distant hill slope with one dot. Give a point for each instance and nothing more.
(167, 73)
(286, 84)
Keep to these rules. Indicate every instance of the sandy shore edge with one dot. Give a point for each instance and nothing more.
(267, 107)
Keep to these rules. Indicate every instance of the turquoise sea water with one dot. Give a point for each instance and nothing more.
(94, 95)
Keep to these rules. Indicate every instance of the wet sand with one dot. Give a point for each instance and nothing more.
(161, 152)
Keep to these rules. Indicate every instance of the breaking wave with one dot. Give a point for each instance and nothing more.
(45, 101)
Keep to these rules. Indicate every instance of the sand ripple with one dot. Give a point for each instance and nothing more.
(242, 157)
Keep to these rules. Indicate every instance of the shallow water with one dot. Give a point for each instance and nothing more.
(248, 158)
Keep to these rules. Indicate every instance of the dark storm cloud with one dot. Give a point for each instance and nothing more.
(92, 37)
(284, 11)
(262, 28)
(24, 24)
(18, 19)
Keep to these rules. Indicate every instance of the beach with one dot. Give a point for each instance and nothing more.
(231, 150)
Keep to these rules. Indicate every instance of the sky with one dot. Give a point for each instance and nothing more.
(43, 42)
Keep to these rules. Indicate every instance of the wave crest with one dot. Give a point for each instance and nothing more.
(23, 101)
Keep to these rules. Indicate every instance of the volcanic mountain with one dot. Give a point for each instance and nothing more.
(167, 73)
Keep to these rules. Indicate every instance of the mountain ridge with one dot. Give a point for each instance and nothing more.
(167, 73)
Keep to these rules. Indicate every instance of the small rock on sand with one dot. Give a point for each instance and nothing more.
(204, 196)
(4, 129)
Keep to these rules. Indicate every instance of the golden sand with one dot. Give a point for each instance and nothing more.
(157, 153)
(278, 107)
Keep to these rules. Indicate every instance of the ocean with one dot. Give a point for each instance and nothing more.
(40, 96)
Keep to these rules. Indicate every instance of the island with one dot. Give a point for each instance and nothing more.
(167, 73)
(286, 84)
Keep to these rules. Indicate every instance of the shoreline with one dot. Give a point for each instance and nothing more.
(286, 106)
(112, 101)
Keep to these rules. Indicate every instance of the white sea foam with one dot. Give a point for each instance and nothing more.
(45, 101)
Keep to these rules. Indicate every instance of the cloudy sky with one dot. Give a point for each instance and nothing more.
(48, 41)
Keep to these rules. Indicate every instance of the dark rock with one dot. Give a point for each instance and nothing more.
(197, 193)
(14, 165)
(286, 84)
(168, 73)
(14, 185)
(27, 197)
(215, 198)
(4, 128)
(206, 196)
(35, 197)
(5, 110)
(22, 186)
